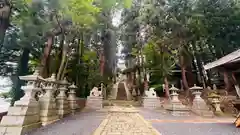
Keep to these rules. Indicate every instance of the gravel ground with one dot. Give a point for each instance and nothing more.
(180, 128)
(83, 123)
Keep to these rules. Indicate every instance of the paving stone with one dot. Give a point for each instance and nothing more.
(125, 121)
(192, 125)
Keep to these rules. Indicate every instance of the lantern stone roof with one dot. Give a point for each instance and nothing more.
(173, 88)
(195, 87)
(34, 77)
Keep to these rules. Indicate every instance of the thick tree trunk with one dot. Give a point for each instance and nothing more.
(102, 63)
(47, 50)
(22, 70)
(5, 12)
(184, 77)
(183, 71)
(226, 80)
(63, 61)
(167, 94)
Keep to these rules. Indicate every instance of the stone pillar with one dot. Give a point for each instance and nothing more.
(24, 115)
(72, 98)
(62, 102)
(151, 101)
(48, 109)
(175, 107)
(199, 106)
(95, 99)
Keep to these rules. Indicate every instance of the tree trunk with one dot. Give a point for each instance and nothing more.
(47, 50)
(183, 71)
(226, 80)
(62, 65)
(22, 70)
(5, 12)
(184, 77)
(167, 94)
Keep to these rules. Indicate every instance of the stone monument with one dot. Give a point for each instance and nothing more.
(95, 100)
(24, 115)
(72, 98)
(151, 101)
(62, 102)
(176, 108)
(48, 108)
(199, 106)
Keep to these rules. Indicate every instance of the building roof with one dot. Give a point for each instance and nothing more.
(230, 58)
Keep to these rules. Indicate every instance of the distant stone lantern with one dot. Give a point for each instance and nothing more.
(176, 108)
(197, 92)
(72, 98)
(174, 94)
(62, 103)
(199, 106)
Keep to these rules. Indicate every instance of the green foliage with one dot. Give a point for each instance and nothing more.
(159, 62)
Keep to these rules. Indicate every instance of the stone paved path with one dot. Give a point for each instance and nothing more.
(125, 121)
(167, 124)
(83, 123)
(137, 121)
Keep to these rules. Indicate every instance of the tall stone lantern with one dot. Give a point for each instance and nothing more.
(48, 109)
(24, 115)
(62, 102)
(199, 106)
(176, 108)
(72, 98)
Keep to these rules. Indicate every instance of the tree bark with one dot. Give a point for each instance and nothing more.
(62, 65)
(22, 70)
(47, 50)
(183, 71)
(226, 80)
(5, 13)
(167, 94)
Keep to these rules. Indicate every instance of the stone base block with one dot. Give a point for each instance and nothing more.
(94, 102)
(19, 120)
(201, 109)
(151, 103)
(18, 130)
(49, 119)
(178, 109)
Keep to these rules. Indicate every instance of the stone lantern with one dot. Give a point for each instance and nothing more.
(215, 100)
(174, 94)
(62, 102)
(176, 108)
(72, 98)
(199, 106)
(197, 92)
(48, 109)
(24, 115)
